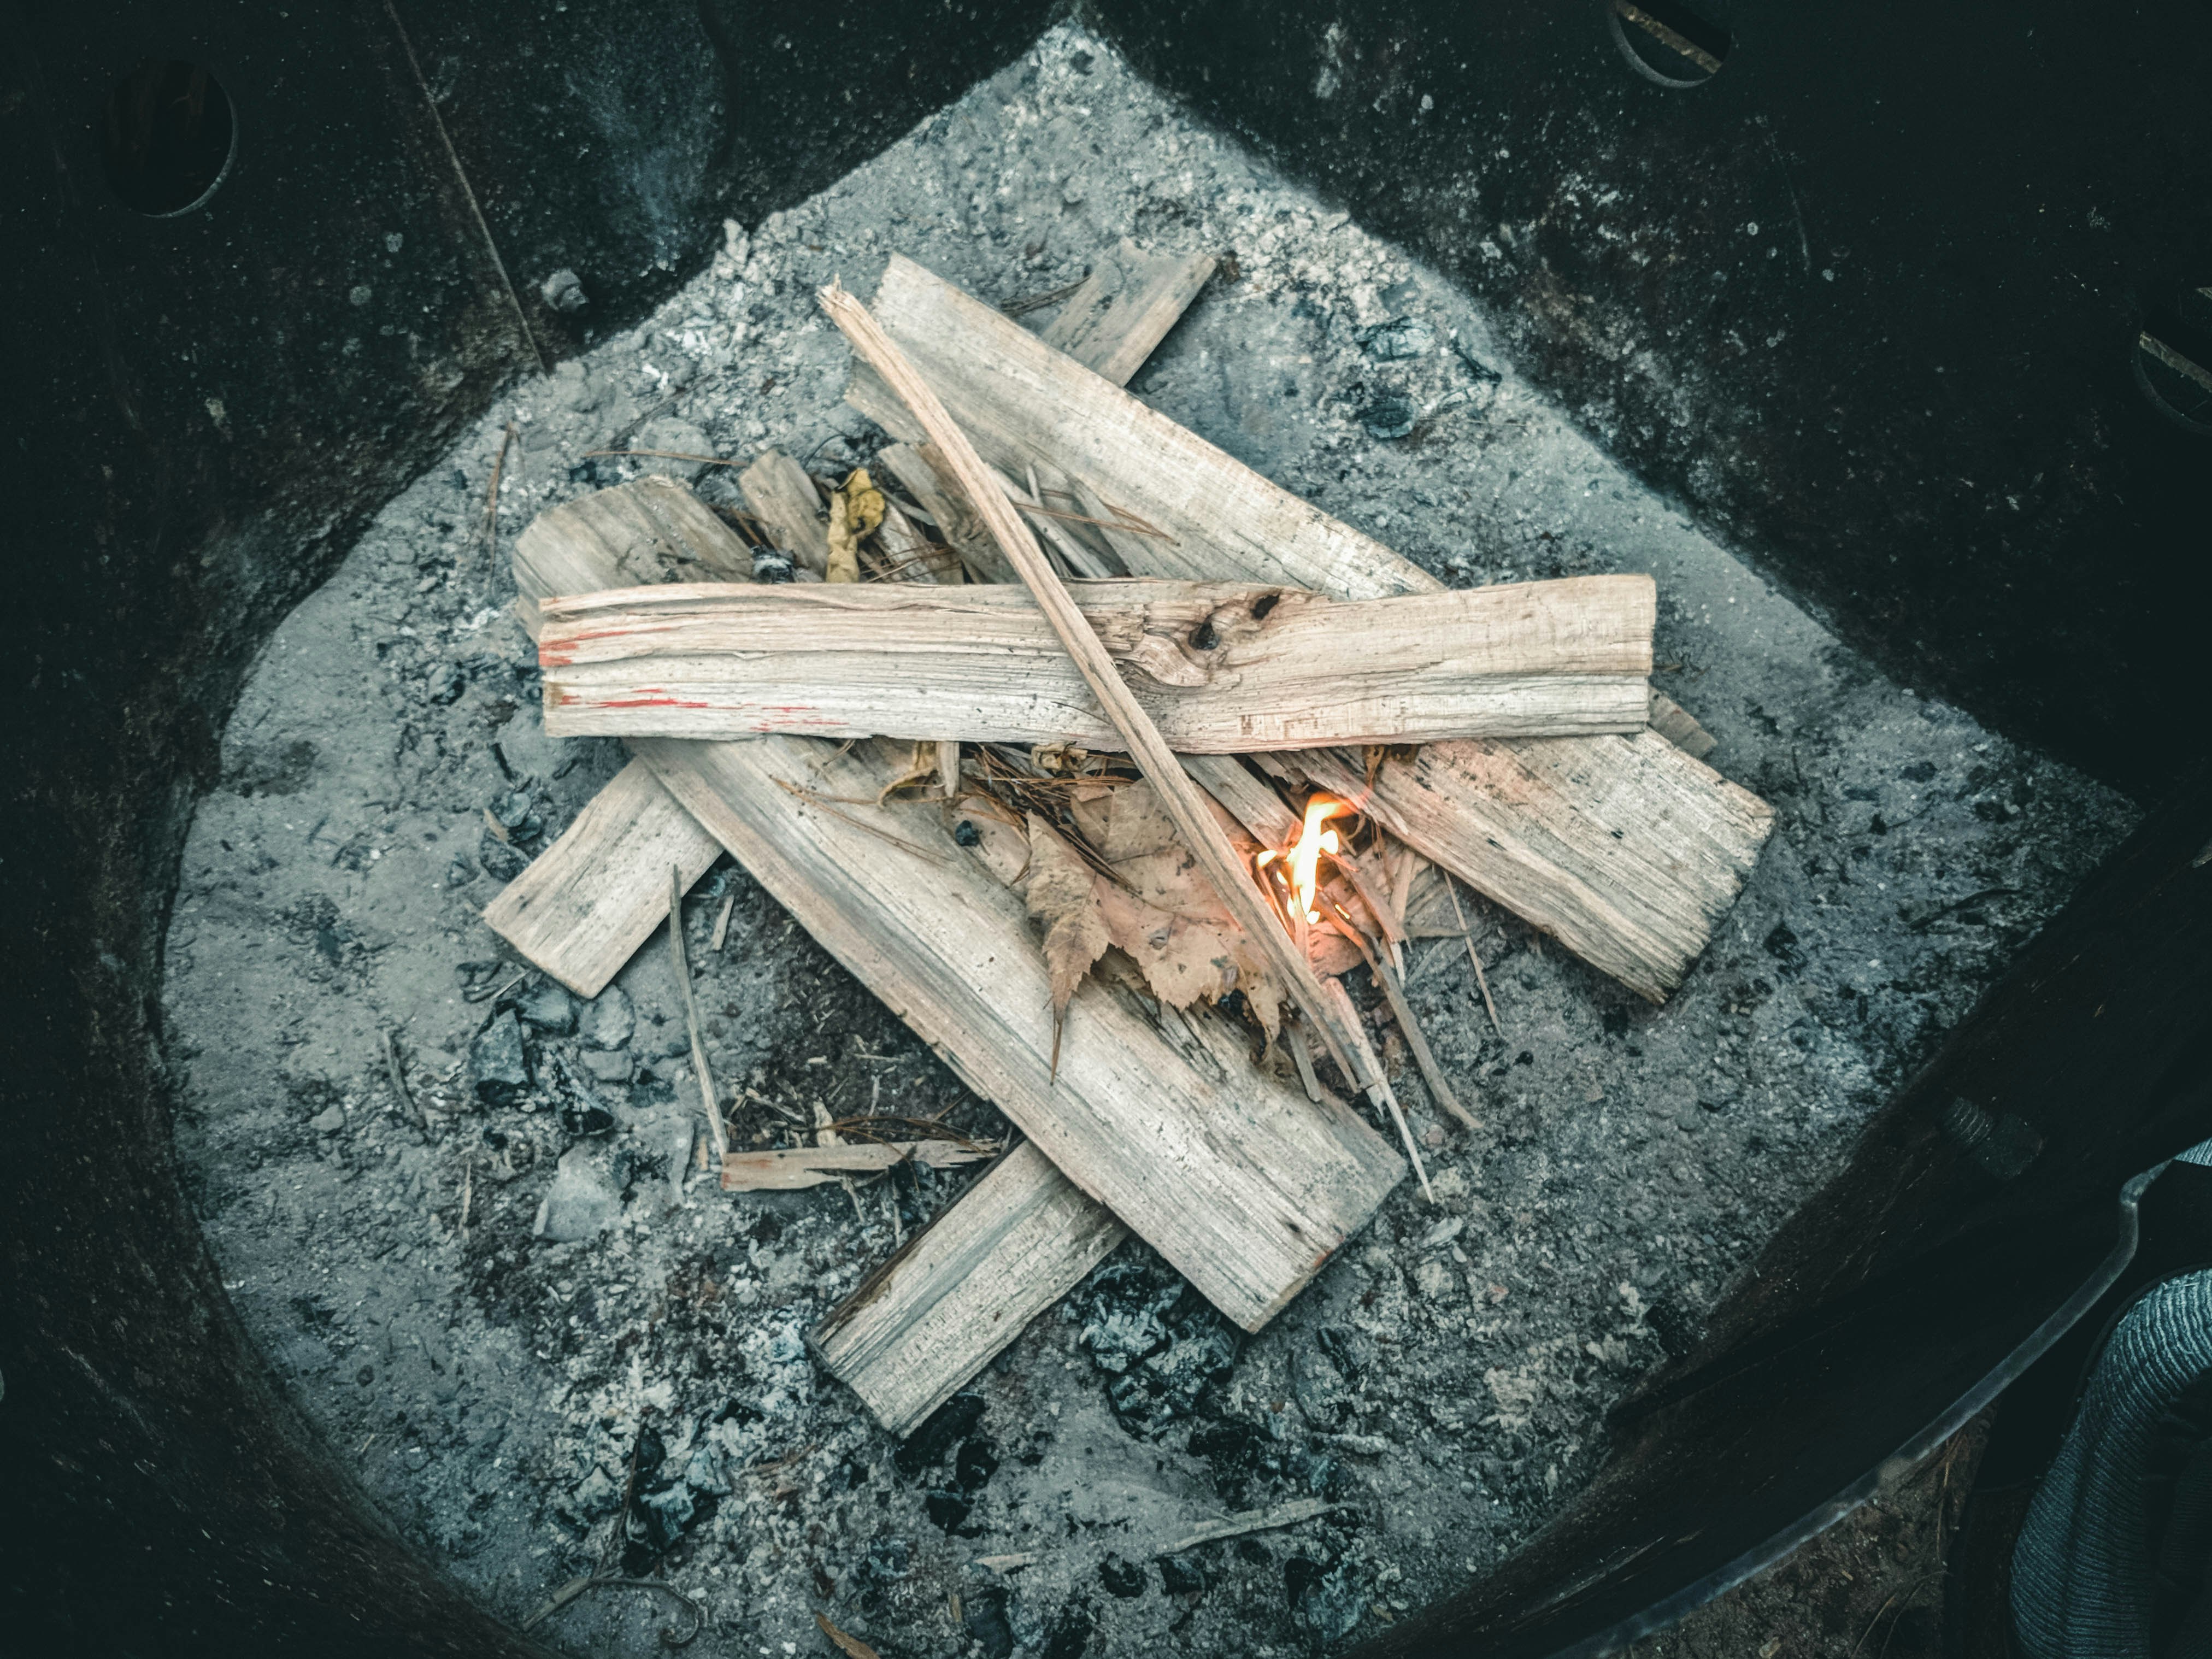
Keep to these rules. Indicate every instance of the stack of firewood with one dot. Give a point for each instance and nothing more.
(1098, 757)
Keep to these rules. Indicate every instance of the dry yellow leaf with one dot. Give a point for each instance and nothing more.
(856, 508)
(852, 1646)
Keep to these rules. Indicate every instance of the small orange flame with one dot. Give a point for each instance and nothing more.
(1314, 841)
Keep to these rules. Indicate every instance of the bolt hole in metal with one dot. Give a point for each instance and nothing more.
(168, 138)
(2173, 359)
(1667, 42)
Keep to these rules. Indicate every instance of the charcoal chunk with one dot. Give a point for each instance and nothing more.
(1389, 416)
(499, 1062)
(547, 1006)
(1125, 1579)
(1181, 1574)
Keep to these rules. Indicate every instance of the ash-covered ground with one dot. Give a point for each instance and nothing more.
(500, 1317)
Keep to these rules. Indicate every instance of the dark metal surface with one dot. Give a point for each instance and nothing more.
(200, 412)
(1866, 300)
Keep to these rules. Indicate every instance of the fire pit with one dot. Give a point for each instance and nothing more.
(491, 1270)
(484, 1336)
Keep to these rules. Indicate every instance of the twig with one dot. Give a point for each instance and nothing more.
(468, 1191)
(722, 922)
(682, 961)
(1235, 1526)
(491, 502)
(1081, 560)
(494, 996)
(668, 455)
(1480, 979)
(468, 193)
(1911, 1590)
(823, 802)
(1038, 301)
(1372, 895)
(1127, 526)
(603, 1579)
(1380, 1091)
(1432, 1073)
(399, 1080)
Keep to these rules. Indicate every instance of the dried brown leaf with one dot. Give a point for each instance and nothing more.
(922, 769)
(852, 1646)
(1122, 823)
(1165, 913)
(1063, 895)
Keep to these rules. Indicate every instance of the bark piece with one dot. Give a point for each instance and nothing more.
(934, 1314)
(1680, 727)
(1217, 667)
(1603, 806)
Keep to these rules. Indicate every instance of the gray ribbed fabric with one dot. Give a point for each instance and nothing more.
(2080, 1579)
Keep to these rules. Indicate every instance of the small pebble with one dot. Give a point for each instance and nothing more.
(607, 1019)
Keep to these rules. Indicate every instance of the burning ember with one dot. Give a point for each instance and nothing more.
(1304, 857)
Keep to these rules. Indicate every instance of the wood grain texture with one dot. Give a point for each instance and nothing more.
(784, 499)
(940, 1310)
(1023, 404)
(1185, 803)
(1109, 324)
(1244, 1187)
(1640, 908)
(1601, 807)
(1219, 667)
(652, 531)
(571, 911)
(965, 1287)
(587, 902)
(792, 1168)
(1125, 308)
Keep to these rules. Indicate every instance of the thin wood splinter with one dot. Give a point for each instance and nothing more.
(682, 962)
